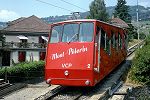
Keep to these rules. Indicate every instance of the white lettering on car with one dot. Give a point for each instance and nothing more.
(70, 51)
(66, 65)
(56, 55)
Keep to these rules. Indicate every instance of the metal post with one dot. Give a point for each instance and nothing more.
(5, 74)
(76, 15)
(138, 20)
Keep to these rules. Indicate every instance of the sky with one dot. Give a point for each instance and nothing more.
(13, 9)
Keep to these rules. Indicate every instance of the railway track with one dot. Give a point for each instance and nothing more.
(102, 91)
(69, 93)
(6, 87)
(50, 94)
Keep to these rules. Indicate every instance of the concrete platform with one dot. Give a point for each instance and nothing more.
(31, 92)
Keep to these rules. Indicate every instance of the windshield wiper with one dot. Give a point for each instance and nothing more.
(72, 37)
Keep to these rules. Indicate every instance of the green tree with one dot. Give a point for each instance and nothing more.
(132, 32)
(122, 11)
(98, 10)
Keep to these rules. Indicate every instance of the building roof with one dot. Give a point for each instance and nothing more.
(15, 21)
(30, 24)
(119, 22)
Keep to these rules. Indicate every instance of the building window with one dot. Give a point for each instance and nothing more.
(22, 56)
(23, 41)
(42, 55)
(42, 42)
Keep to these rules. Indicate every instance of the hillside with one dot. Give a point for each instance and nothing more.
(144, 14)
(2, 25)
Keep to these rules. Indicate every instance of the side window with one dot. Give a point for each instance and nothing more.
(103, 39)
(119, 40)
(108, 44)
(97, 32)
(123, 41)
(116, 43)
(97, 36)
(105, 42)
(126, 41)
(113, 39)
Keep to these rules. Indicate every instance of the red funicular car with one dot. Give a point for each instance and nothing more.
(82, 52)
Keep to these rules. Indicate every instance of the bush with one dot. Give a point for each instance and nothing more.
(24, 71)
(140, 69)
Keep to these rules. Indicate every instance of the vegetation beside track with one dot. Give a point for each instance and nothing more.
(140, 69)
(23, 71)
(138, 76)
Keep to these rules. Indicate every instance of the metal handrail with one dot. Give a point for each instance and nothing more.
(131, 49)
(140, 43)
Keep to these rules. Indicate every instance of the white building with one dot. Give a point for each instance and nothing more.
(25, 40)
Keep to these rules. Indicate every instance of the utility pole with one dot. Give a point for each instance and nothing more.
(137, 12)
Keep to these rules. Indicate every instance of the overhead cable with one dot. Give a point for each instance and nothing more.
(73, 5)
(54, 5)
